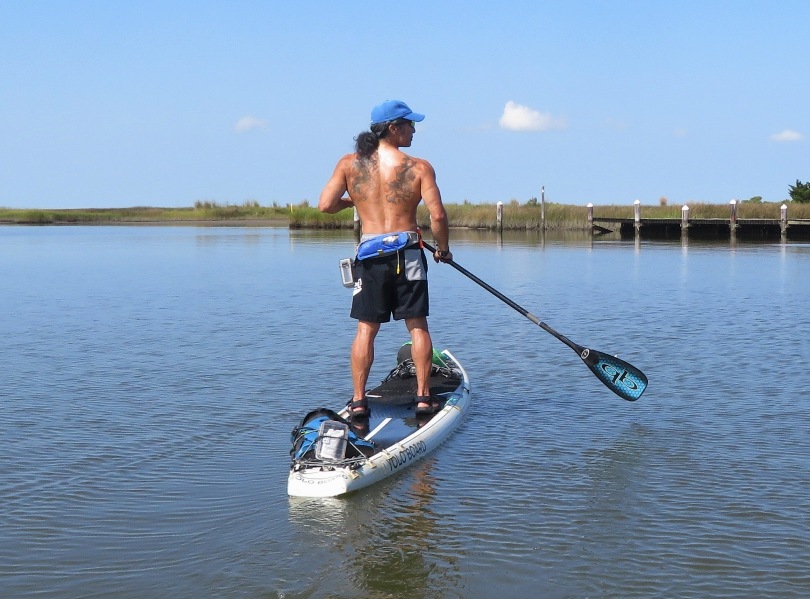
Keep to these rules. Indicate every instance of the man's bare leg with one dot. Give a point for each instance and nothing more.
(363, 356)
(421, 353)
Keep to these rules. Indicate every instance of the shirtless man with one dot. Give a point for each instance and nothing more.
(386, 185)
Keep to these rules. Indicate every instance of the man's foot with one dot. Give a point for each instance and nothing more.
(358, 408)
(427, 405)
(360, 425)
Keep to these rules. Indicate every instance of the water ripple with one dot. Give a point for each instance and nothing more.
(152, 378)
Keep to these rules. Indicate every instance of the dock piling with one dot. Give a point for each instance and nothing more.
(732, 223)
(684, 223)
(707, 227)
(543, 208)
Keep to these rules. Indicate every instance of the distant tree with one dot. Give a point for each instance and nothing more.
(532, 202)
(662, 200)
(800, 192)
(754, 200)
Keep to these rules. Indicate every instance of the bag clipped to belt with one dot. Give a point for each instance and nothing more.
(383, 245)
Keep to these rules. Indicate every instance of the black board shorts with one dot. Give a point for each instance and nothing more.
(391, 285)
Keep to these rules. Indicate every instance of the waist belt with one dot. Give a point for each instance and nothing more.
(383, 245)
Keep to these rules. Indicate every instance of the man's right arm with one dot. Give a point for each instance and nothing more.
(332, 199)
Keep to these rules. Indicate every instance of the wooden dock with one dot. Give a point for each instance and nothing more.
(702, 228)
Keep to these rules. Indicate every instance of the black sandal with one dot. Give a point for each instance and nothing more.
(433, 405)
(358, 408)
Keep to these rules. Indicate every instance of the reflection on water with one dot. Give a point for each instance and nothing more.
(395, 548)
(152, 376)
(383, 539)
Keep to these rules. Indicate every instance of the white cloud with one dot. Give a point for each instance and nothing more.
(616, 124)
(787, 135)
(248, 123)
(522, 118)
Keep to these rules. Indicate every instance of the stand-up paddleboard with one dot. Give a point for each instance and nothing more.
(333, 454)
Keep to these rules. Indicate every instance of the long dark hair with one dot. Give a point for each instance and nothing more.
(367, 142)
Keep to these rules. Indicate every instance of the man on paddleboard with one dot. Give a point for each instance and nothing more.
(385, 185)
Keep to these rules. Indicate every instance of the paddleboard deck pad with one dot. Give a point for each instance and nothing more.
(333, 454)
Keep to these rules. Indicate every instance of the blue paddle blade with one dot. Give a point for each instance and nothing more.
(624, 379)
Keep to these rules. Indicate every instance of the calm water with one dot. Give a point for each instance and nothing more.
(151, 376)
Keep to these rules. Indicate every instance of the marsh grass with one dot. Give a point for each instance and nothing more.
(516, 216)
(768, 210)
(560, 217)
(305, 217)
(202, 211)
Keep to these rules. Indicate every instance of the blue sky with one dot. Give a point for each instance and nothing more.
(123, 103)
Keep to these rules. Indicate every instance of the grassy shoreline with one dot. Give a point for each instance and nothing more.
(201, 212)
(561, 217)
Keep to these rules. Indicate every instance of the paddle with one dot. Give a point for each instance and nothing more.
(624, 379)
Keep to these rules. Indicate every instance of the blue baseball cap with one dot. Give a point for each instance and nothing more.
(391, 110)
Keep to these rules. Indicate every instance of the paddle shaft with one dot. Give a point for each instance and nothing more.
(514, 305)
(621, 377)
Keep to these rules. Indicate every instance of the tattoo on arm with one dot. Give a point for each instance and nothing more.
(401, 188)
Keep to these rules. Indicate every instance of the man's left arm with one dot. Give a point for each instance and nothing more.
(439, 225)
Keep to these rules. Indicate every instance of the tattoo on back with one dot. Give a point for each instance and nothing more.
(363, 171)
(401, 188)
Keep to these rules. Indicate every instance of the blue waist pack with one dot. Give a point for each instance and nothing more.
(383, 245)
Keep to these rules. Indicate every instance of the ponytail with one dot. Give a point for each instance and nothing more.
(367, 142)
